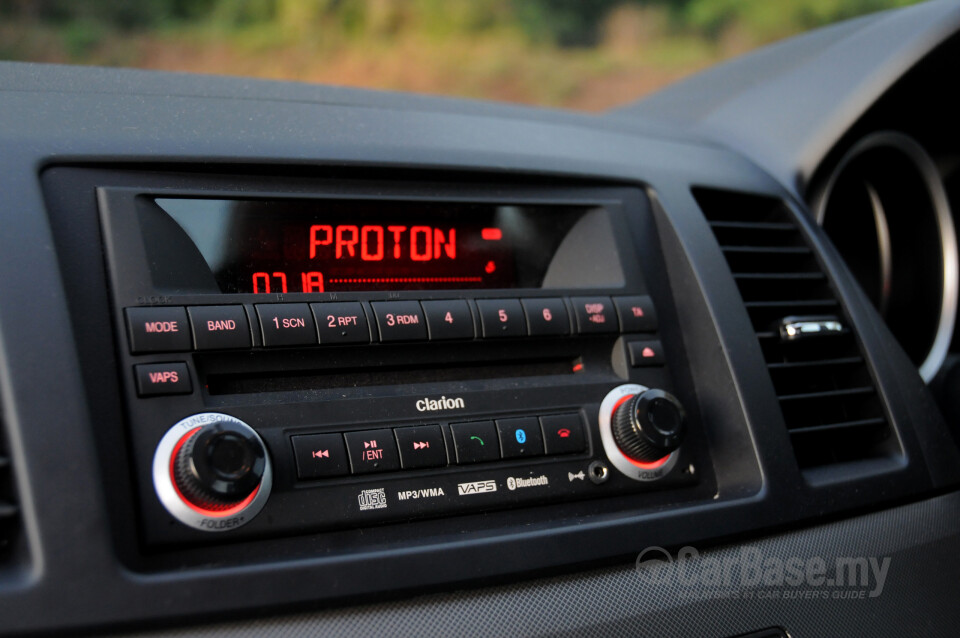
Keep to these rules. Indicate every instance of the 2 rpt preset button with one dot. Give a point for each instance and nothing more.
(341, 322)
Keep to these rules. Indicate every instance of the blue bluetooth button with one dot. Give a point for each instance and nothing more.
(520, 437)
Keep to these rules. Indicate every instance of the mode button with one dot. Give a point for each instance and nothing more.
(159, 329)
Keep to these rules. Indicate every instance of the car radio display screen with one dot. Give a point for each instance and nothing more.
(331, 245)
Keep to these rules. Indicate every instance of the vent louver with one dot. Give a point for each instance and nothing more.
(829, 402)
(9, 512)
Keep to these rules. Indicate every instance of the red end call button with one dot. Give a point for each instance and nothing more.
(159, 329)
(158, 379)
(563, 433)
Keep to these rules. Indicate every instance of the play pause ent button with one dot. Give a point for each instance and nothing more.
(421, 446)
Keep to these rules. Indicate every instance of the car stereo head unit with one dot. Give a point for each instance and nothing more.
(334, 356)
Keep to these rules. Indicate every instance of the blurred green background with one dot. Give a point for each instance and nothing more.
(581, 54)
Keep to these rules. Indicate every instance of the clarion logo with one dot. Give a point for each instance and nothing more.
(443, 403)
(477, 487)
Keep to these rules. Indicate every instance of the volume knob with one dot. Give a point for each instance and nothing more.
(648, 426)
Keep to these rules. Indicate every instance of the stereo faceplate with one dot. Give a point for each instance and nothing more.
(392, 405)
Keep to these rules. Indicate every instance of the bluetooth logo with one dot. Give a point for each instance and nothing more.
(521, 436)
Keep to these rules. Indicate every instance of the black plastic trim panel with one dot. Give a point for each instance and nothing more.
(85, 566)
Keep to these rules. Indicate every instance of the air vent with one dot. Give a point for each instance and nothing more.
(828, 398)
(9, 512)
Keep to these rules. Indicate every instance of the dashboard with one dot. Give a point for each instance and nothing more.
(280, 359)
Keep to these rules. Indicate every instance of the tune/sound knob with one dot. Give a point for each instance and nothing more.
(649, 426)
(219, 466)
(212, 472)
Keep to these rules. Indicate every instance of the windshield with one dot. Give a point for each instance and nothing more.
(588, 55)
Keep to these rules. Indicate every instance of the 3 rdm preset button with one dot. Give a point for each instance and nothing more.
(219, 327)
(320, 455)
(287, 324)
(502, 318)
(475, 442)
(400, 320)
(342, 322)
(546, 317)
(160, 329)
(372, 451)
(448, 319)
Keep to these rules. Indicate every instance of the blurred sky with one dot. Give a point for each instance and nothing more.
(580, 54)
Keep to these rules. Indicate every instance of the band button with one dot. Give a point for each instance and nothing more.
(219, 327)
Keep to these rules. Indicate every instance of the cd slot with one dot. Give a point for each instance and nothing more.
(300, 380)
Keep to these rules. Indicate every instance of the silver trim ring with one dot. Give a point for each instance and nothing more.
(948, 237)
(617, 458)
(167, 493)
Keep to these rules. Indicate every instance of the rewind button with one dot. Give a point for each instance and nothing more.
(320, 455)
(421, 446)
